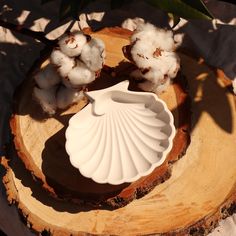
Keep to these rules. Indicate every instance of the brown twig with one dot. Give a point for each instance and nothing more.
(33, 34)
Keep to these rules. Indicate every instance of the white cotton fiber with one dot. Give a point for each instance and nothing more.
(145, 27)
(46, 98)
(75, 62)
(172, 62)
(59, 83)
(72, 43)
(154, 75)
(93, 54)
(63, 63)
(47, 77)
(153, 36)
(142, 53)
(79, 76)
(159, 88)
(66, 97)
(152, 51)
(167, 64)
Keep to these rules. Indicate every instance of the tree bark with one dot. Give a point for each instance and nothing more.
(201, 186)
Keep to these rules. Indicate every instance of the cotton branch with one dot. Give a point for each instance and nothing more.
(33, 34)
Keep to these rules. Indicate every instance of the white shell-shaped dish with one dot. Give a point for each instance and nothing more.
(120, 136)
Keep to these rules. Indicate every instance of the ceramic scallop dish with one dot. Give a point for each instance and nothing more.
(120, 135)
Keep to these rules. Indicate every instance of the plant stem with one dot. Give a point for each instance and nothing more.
(33, 34)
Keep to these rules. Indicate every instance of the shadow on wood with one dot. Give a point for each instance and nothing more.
(56, 166)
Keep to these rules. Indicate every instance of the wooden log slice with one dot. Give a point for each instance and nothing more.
(200, 191)
(40, 140)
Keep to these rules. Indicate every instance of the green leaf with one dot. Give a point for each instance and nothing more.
(229, 1)
(70, 8)
(65, 9)
(199, 5)
(117, 3)
(191, 10)
(45, 1)
(83, 4)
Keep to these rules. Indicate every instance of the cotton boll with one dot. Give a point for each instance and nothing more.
(145, 27)
(142, 30)
(154, 75)
(46, 98)
(141, 54)
(99, 44)
(154, 37)
(151, 72)
(163, 67)
(144, 50)
(164, 40)
(159, 72)
(79, 75)
(65, 69)
(172, 61)
(148, 85)
(72, 44)
(151, 50)
(93, 54)
(145, 36)
(47, 77)
(168, 63)
(66, 97)
(154, 68)
(63, 63)
(161, 87)
(58, 58)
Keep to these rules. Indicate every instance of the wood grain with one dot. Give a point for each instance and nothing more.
(40, 140)
(200, 191)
